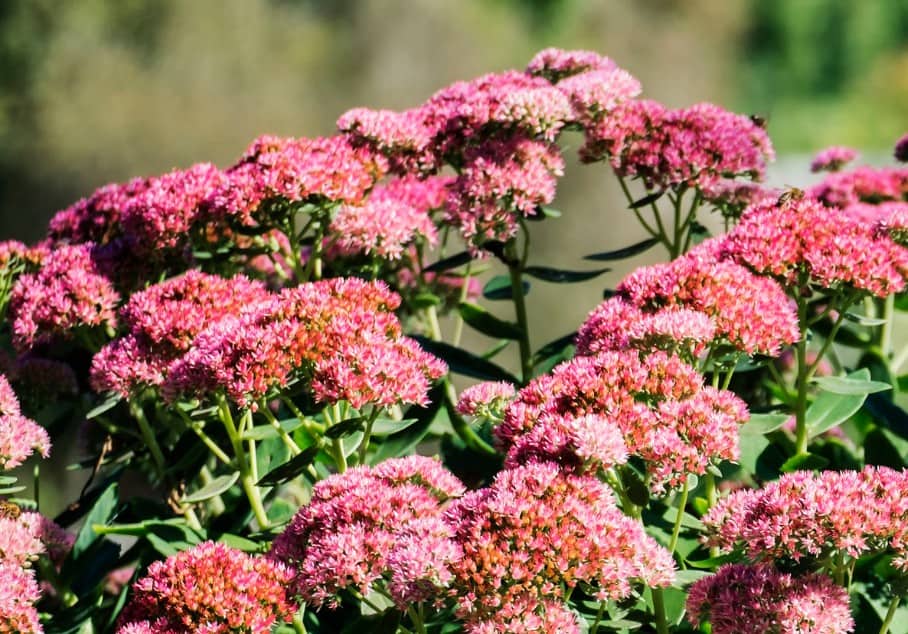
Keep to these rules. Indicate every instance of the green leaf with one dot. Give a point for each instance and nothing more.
(499, 288)
(346, 427)
(863, 320)
(626, 252)
(264, 432)
(804, 462)
(387, 426)
(560, 276)
(555, 347)
(240, 543)
(687, 577)
(848, 385)
(646, 200)
(291, 468)
(452, 262)
(760, 424)
(549, 212)
(404, 441)
(829, 410)
(425, 300)
(214, 488)
(845, 336)
(107, 404)
(880, 450)
(466, 363)
(887, 414)
(485, 322)
(102, 512)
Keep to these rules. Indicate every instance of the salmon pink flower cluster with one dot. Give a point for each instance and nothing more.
(833, 159)
(209, 588)
(742, 599)
(659, 404)
(808, 515)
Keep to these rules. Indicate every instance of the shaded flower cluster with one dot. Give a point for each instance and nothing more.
(371, 523)
(211, 589)
(19, 436)
(658, 403)
(742, 599)
(833, 159)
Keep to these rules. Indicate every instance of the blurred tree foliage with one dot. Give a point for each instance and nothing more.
(827, 71)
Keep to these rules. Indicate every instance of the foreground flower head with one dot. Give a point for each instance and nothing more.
(536, 532)
(797, 239)
(210, 588)
(18, 593)
(814, 515)
(658, 403)
(97, 217)
(67, 293)
(361, 524)
(741, 599)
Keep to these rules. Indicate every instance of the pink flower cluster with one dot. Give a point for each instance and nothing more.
(815, 515)
(371, 523)
(395, 215)
(162, 322)
(339, 333)
(19, 592)
(536, 533)
(19, 436)
(485, 399)
(289, 170)
(696, 146)
(833, 159)
(68, 292)
(95, 218)
(211, 589)
(198, 334)
(156, 222)
(798, 240)
(862, 185)
(726, 293)
(658, 403)
(742, 599)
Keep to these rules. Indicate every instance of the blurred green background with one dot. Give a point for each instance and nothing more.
(101, 90)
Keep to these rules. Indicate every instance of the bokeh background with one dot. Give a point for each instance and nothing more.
(102, 90)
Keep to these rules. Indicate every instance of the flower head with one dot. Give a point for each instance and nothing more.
(68, 292)
(742, 599)
(537, 532)
(210, 588)
(96, 218)
(19, 592)
(19, 436)
(353, 528)
(556, 64)
(485, 398)
(833, 159)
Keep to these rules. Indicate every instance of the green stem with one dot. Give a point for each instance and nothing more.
(676, 531)
(659, 611)
(298, 625)
(281, 432)
(595, 627)
(216, 451)
(367, 434)
(138, 413)
(886, 328)
(801, 381)
(247, 482)
(417, 622)
(630, 201)
(458, 320)
(890, 615)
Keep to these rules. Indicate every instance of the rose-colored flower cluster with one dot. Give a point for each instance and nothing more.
(162, 323)
(658, 403)
(339, 333)
(66, 293)
(833, 159)
(696, 146)
(395, 215)
(815, 515)
(19, 592)
(742, 599)
(862, 185)
(19, 436)
(536, 533)
(528, 615)
(798, 240)
(289, 170)
(210, 588)
(95, 218)
(485, 399)
(369, 523)
(676, 306)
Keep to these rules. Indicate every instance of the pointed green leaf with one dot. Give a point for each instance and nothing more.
(830, 409)
(214, 488)
(848, 385)
(646, 200)
(488, 324)
(346, 427)
(102, 512)
(291, 468)
(451, 262)
(863, 320)
(387, 426)
(804, 462)
(626, 252)
(499, 288)
(107, 404)
(560, 276)
(404, 441)
(466, 363)
(760, 424)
